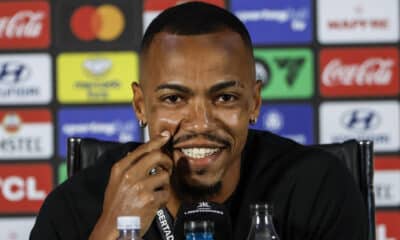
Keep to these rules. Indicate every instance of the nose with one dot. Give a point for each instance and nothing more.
(199, 117)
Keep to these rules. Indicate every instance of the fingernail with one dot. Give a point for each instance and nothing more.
(165, 133)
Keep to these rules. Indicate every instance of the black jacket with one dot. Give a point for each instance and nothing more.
(313, 195)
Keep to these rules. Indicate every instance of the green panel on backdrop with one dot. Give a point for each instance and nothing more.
(62, 173)
(287, 73)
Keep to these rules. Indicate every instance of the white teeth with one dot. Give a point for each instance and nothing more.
(199, 152)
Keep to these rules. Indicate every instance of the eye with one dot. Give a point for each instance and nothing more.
(172, 99)
(226, 98)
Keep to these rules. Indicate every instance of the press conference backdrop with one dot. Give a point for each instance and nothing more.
(330, 72)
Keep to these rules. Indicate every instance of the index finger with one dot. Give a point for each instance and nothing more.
(154, 144)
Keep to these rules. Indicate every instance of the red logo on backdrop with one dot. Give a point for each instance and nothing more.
(387, 225)
(359, 21)
(359, 72)
(157, 5)
(105, 22)
(23, 187)
(24, 25)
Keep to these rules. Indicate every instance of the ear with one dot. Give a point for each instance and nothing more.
(138, 103)
(257, 101)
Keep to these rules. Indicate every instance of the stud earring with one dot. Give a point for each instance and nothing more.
(142, 124)
(253, 120)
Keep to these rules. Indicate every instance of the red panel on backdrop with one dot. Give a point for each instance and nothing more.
(387, 162)
(27, 115)
(387, 225)
(387, 181)
(354, 72)
(23, 187)
(24, 25)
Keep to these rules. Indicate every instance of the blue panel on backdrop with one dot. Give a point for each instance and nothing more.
(294, 121)
(276, 22)
(107, 123)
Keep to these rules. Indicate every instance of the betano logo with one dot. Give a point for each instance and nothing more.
(96, 77)
(105, 23)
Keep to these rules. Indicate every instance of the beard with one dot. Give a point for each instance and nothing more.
(191, 192)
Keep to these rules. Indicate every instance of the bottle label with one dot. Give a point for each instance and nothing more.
(199, 236)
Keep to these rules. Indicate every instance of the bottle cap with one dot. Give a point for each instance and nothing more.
(128, 222)
(261, 207)
(199, 226)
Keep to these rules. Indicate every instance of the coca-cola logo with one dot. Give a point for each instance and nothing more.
(373, 71)
(356, 72)
(23, 24)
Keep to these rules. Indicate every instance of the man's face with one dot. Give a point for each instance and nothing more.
(201, 88)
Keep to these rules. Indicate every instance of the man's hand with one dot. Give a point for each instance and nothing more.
(131, 190)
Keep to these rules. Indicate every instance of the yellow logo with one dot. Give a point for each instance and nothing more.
(101, 77)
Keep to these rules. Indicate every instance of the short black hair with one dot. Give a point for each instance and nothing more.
(194, 18)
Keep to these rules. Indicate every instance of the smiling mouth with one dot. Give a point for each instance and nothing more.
(199, 152)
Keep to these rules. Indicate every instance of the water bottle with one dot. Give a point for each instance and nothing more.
(129, 228)
(199, 230)
(262, 227)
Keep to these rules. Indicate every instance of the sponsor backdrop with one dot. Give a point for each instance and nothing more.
(330, 72)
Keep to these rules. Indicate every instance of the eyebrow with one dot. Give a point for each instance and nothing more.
(215, 88)
(220, 86)
(176, 87)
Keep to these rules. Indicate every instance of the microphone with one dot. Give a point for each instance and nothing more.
(204, 211)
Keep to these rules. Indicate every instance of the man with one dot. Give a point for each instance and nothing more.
(198, 94)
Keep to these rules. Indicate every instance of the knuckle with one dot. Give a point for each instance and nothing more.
(115, 169)
(126, 177)
(151, 199)
(147, 199)
(148, 148)
(138, 187)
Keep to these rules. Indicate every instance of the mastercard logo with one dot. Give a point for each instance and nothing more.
(105, 23)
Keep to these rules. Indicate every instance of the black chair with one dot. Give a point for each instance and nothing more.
(356, 155)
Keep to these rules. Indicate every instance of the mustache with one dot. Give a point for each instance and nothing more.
(208, 136)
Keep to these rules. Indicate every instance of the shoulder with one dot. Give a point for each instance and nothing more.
(268, 156)
(266, 148)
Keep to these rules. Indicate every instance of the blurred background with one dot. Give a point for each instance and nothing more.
(330, 72)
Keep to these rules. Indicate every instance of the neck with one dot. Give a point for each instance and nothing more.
(229, 183)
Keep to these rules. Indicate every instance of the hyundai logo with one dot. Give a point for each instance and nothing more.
(360, 120)
(13, 72)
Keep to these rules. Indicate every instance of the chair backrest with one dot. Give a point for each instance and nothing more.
(356, 155)
(84, 152)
